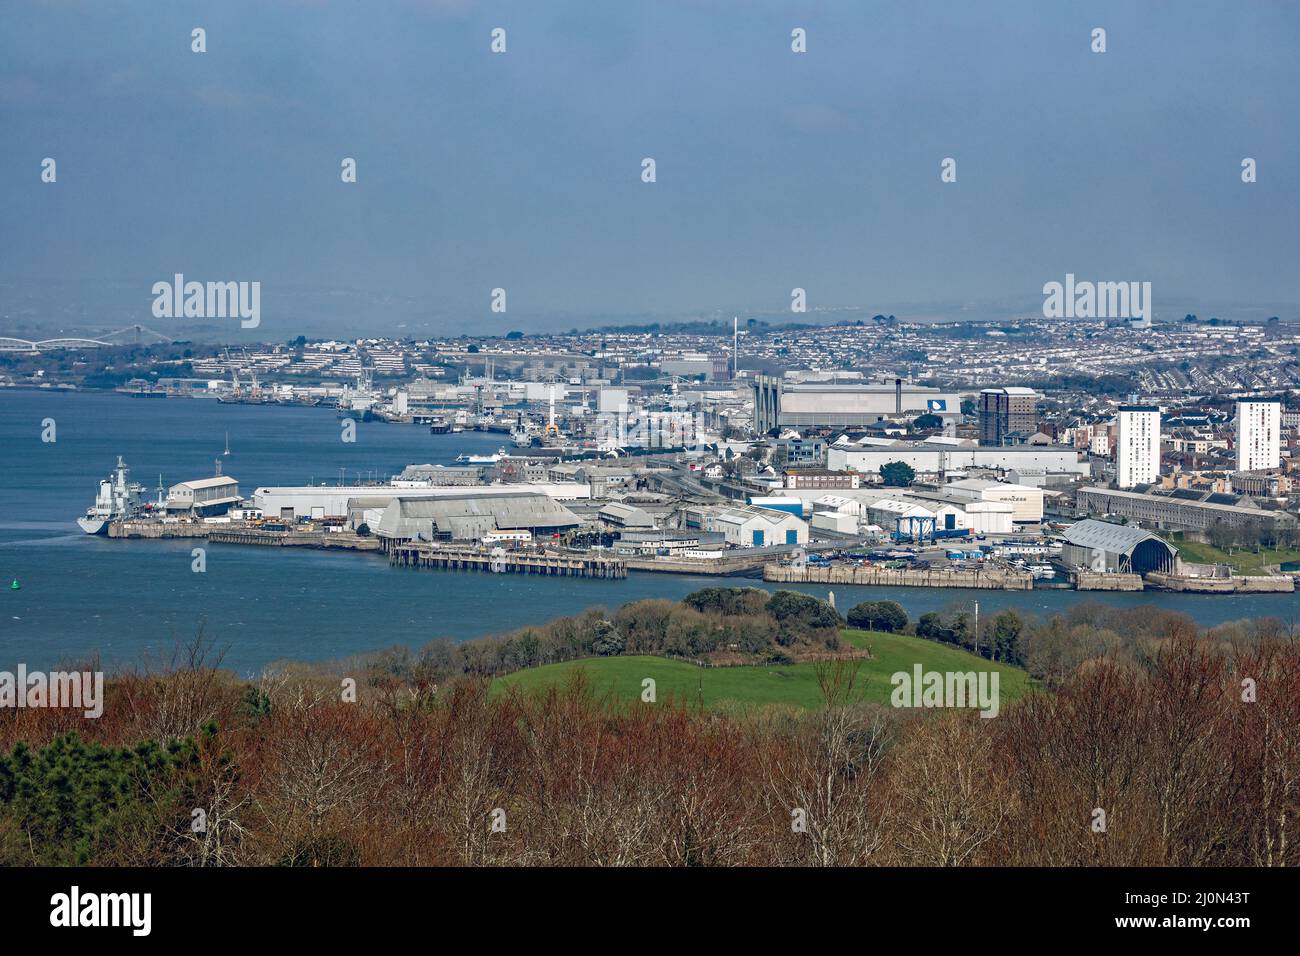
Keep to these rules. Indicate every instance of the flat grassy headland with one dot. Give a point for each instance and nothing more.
(1242, 560)
(789, 684)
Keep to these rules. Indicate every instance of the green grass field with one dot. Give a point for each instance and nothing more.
(793, 684)
(1243, 561)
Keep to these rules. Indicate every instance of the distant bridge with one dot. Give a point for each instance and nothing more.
(47, 345)
(120, 337)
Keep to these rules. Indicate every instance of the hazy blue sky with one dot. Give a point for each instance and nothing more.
(775, 170)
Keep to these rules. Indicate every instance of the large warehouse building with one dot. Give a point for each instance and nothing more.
(1173, 511)
(204, 496)
(1116, 549)
(1026, 501)
(929, 458)
(780, 404)
(470, 516)
(322, 501)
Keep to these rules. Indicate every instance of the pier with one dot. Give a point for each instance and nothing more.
(500, 561)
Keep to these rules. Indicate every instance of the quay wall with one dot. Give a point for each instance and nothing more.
(1237, 584)
(1097, 581)
(717, 566)
(295, 539)
(977, 579)
(157, 529)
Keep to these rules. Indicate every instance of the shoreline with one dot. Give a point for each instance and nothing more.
(82, 594)
(459, 557)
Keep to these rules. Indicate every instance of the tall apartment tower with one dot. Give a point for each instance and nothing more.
(1006, 411)
(1137, 453)
(1259, 434)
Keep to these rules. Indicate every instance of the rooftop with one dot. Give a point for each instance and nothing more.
(221, 481)
(1117, 538)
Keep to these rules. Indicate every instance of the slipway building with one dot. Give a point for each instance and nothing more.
(1116, 549)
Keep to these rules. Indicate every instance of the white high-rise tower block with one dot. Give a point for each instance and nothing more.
(1259, 434)
(1138, 445)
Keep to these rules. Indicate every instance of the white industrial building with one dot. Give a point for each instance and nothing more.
(781, 404)
(749, 527)
(907, 513)
(968, 508)
(950, 510)
(839, 522)
(930, 458)
(991, 517)
(1137, 455)
(1026, 501)
(1259, 434)
(887, 511)
(204, 496)
(839, 503)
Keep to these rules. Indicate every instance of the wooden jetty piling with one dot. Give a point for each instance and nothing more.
(502, 561)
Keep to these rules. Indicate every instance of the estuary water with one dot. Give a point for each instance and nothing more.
(130, 602)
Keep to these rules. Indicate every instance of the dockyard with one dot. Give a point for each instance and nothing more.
(605, 481)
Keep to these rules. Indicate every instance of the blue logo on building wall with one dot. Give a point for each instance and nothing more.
(937, 404)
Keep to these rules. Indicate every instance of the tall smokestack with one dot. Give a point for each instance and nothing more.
(898, 396)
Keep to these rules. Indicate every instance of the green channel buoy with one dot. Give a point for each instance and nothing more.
(15, 586)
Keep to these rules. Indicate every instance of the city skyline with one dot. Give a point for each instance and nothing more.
(775, 170)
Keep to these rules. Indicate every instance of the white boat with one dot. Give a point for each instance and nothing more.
(482, 459)
(117, 499)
